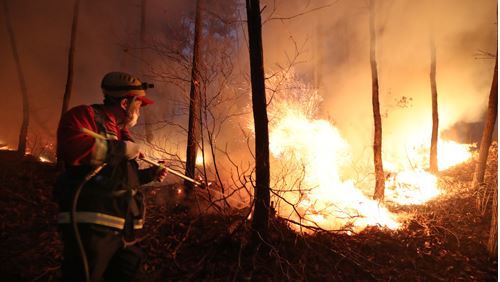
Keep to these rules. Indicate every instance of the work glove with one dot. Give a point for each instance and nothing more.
(161, 172)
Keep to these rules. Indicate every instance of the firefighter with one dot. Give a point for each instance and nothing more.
(109, 207)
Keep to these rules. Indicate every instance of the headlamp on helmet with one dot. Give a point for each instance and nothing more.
(123, 85)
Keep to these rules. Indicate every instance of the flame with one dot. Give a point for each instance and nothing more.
(312, 163)
(200, 158)
(314, 153)
(451, 153)
(411, 187)
(408, 182)
(4, 146)
(44, 160)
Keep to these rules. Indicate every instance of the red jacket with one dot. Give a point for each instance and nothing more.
(110, 198)
(75, 147)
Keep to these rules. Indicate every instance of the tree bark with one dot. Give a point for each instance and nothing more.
(489, 125)
(435, 117)
(147, 114)
(377, 137)
(194, 130)
(478, 179)
(23, 134)
(262, 194)
(493, 238)
(71, 55)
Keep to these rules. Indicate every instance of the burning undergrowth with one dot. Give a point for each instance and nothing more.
(312, 162)
(444, 239)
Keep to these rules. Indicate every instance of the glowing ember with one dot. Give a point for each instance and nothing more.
(314, 153)
(4, 146)
(200, 159)
(451, 153)
(43, 159)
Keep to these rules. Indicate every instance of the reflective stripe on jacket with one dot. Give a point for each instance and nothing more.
(111, 198)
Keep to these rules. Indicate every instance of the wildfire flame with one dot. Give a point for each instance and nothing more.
(315, 153)
(311, 159)
(4, 146)
(200, 158)
(411, 187)
(451, 153)
(44, 159)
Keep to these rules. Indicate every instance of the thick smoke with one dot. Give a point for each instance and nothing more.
(334, 46)
(331, 40)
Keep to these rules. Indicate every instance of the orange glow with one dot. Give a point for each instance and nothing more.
(44, 160)
(200, 159)
(314, 153)
(451, 153)
(411, 187)
(4, 146)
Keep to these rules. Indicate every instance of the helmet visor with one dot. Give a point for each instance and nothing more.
(145, 101)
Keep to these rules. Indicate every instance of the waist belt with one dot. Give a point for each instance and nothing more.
(98, 218)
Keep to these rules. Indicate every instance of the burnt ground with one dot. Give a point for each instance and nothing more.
(443, 240)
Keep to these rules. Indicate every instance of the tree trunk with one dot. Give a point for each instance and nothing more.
(194, 129)
(478, 179)
(146, 113)
(489, 125)
(493, 239)
(377, 138)
(69, 78)
(23, 134)
(262, 193)
(435, 117)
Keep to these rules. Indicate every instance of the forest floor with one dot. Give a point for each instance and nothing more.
(444, 240)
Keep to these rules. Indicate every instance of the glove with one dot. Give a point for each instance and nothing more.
(161, 172)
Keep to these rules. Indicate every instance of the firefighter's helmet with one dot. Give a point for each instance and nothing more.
(121, 84)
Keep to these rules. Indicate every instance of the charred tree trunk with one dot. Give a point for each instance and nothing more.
(493, 238)
(147, 114)
(194, 129)
(71, 54)
(23, 134)
(377, 137)
(478, 179)
(435, 117)
(489, 125)
(259, 103)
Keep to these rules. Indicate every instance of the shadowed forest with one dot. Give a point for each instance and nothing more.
(320, 140)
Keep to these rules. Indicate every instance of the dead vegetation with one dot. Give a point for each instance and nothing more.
(443, 240)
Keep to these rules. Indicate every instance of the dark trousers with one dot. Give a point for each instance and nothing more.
(107, 257)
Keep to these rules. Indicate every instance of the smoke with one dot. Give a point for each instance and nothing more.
(334, 56)
(42, 30)
(325, 42)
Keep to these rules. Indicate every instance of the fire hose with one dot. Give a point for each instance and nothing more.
(147, 160)
(89, 176)
(74, 223)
